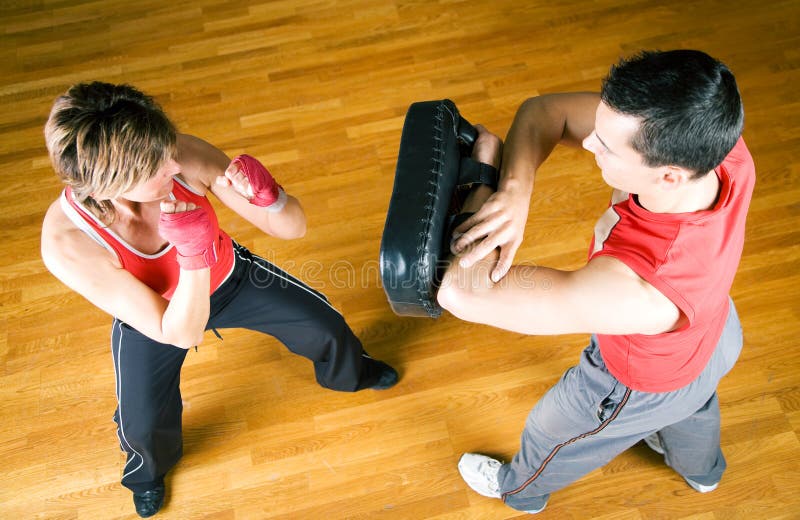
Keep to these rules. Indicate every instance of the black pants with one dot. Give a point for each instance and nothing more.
(257, 296)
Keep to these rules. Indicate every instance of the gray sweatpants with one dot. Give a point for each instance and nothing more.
(589, 417)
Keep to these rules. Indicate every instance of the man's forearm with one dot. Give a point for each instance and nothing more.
(540, 124)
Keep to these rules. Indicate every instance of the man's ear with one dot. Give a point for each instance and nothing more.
(673, 177)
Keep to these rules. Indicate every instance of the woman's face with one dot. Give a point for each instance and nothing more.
(156, 188)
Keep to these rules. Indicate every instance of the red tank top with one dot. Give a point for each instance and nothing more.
(692, 259)
(158, 271)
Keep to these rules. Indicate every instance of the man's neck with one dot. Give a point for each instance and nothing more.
(697, 195)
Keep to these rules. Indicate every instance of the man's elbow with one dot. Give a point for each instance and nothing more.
(458, 297)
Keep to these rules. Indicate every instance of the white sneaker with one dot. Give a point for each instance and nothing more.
(654, 443)
(480, 474)
(702, 488)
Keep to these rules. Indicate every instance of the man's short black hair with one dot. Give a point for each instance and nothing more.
(688, 105)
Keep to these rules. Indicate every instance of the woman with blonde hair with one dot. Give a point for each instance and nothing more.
(134, 233)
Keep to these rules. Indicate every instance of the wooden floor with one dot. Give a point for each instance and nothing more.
(318, 90)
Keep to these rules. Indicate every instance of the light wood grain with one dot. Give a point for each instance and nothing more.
(318, 90)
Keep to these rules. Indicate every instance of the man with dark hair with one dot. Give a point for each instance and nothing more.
(693, 122)
(666, 134)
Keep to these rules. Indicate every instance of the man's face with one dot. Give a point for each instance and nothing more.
(622, 166)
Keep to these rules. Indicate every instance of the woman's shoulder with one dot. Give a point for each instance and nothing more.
(56, 223)
(201, 162)
(64, 245)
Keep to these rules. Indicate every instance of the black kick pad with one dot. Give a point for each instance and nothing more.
(433, 163)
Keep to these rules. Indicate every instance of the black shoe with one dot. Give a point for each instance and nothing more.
(148, 503)
(377, 375)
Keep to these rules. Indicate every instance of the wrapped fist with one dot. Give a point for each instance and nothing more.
(192, 235)
(260, 187)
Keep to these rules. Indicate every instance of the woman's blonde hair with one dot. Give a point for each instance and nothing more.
(104, 139)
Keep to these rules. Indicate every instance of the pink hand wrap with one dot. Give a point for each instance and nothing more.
(266, 191)
(192, 235)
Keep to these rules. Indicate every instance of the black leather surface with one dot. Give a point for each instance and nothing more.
(414, 246)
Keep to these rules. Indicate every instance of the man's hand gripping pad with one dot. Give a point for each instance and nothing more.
(433, 161)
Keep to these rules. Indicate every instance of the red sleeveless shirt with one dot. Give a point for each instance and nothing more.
(159, 271)
(692, 259)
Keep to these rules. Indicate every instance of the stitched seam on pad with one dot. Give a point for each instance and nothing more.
(433, 194)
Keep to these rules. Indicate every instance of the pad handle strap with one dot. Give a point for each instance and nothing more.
(473, 172)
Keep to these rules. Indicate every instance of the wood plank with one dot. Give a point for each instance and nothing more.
(318, 90)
